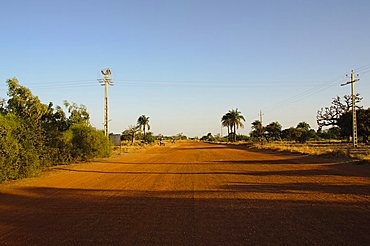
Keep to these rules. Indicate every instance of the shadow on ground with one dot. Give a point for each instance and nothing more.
(51, 216)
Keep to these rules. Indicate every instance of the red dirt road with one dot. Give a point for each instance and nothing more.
(191, 194)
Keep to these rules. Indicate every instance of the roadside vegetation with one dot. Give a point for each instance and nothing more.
(136, 137)
(36, 135)
(333, 137)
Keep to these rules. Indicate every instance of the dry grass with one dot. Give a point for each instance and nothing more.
(128, 147)
(333, 149)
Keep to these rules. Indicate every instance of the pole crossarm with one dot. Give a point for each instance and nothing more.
(349, 82)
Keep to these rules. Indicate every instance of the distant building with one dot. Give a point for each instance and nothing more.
(116, 139)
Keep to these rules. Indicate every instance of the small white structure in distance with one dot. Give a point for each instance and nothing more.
(116, 139)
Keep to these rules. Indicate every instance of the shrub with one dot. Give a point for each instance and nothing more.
(35, 135)
(149, 138)
(9, 148)
(21, 153)
(88, 143)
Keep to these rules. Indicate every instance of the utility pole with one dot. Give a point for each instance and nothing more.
(261, 130)
(105, 82)
(354, 120)
(261, 117)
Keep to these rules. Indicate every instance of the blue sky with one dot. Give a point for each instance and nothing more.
(186, 63)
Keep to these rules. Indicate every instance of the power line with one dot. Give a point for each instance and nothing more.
(304, 94)
(365, 67)
(189, 84)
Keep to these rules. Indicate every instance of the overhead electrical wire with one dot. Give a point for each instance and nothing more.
(319, 85)
(173, 83)
(304, 94)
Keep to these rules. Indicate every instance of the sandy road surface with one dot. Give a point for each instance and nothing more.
(191, 194)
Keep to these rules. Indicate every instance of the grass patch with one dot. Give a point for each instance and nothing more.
(324, 149)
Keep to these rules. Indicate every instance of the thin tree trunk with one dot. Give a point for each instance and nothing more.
(234, 132)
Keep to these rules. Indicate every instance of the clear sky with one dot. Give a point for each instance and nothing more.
(184, 63)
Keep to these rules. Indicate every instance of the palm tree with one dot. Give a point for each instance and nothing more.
(233, 119)
(143, 123)
(258, 130)
(225, 121)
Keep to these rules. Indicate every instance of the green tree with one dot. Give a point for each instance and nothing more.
(149, 137)
(304, 125)
(9, 147)
(34, 135)
(208, 137)
(23, 104)
(234, 119)
(331, 133)
(88, 143)
(225, 121)
(257, 130)
(30, 111)
(2, 106)
(131, 131)
(273, 131)
(303, 132)
(77, 114)
(289, 134)
(363, 124)
(143, 123)
(329, 116)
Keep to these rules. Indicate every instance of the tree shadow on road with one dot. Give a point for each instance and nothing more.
(297, 188)
(55, 216)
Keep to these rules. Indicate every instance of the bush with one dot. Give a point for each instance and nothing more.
(241, 137)
(88, 143)
(208, 137)
(149, 138)
(9, 148)
(35, 135)
(21, 155)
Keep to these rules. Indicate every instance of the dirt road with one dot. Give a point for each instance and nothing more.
(191, 194)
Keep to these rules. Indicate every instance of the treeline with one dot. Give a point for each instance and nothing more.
(337, 118)
(36, 135)
(139, 132)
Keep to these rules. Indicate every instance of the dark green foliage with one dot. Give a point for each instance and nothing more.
(149, 137)
(143, 123)
(207, 137)
(130, 133)
(258, 131)
(21, 155)
(35, 135)
(241, 137)
(331, 133)
(302, 133)
(87, 142)
(363, 124)
(232, 120)
(9, 147)
(273, 131)
(288, 134)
